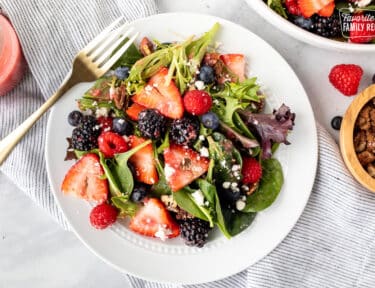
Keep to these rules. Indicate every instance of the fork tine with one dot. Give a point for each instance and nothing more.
(97, 40)
(111, 61)
(121, 31)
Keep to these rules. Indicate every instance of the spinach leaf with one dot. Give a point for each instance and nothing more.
(164, 144)
(269, 187)
(186, 201)
(122, 171)
(126, 207)
(210, 193)
(80, 153)
(237, 221)
(114, 186)
(118, 173)
(161, 187)
(130, 56)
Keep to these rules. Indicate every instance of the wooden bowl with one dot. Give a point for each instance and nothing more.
(347, 142)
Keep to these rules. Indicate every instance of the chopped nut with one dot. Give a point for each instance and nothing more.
(363, 120)
(360, 141)
(366, 157)
(146, 47)
(169, 203)
(370, 139)
(252, 188)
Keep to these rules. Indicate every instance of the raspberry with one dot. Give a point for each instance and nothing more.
(111, 143)
(103, 216)
(346, 78)
(292, 7)
(197, 102)
(251, 170)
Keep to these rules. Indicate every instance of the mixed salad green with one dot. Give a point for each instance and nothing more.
(208, 158)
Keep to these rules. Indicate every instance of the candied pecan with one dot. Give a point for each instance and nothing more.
(170, 203)
(366, 157)
(146, 47)
(363, 120)
(360, 141)
(211, 59)
(370, 139)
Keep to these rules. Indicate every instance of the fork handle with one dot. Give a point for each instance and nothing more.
(8, 143)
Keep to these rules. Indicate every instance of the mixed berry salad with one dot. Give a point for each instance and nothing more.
(343, 20)
(175, 139)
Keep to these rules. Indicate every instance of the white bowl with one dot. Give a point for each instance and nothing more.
(293, 30)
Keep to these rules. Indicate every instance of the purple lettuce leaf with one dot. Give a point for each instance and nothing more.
(271, 128)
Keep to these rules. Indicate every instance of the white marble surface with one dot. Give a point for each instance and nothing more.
(36, 252)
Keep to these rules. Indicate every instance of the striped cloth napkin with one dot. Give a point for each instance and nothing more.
(333, 243)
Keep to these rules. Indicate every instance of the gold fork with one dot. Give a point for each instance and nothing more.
(90, 63)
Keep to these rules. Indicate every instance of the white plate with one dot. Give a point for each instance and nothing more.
(172, 261)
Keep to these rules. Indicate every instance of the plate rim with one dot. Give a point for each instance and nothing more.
(281, 237)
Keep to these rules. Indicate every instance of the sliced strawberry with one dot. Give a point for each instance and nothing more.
(310, 7)
(111, 143)
(183, 166)
(235, 63)
(328, 10)
(154, 220)
(143, 161)
(134, 110)
(85, 180)
(157, 94)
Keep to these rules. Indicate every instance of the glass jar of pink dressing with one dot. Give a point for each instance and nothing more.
(12, 64)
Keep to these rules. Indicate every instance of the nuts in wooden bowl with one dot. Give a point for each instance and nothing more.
(357, 138)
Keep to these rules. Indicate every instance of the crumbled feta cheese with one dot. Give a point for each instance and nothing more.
(199, 85)
(233, 185)
(87, 112)
(198, 197)
(236, 167)
(121, 121)
(148, 88)
(206, 203)
(95, 103)
(240, 205)
(112, 92)
(155, 85)
(201, 137)
(169, 171)
(101, 112)
(163, 232)
(245, 188)
(204, 152)
(226, 185)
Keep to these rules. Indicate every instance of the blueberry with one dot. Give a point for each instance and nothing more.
(139, 192)
(373, 79)
(305, 23)
(122, 72)
(336, 122)
(121, 126)
(207, 74)
(230, 196)
(75, 118)
(210, 120)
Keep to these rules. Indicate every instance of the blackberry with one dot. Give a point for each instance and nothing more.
(151, 123)
(185, 131)
(85, 136)
(328, 27)
(194, 231)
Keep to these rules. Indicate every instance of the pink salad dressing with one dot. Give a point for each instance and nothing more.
(12, 63)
